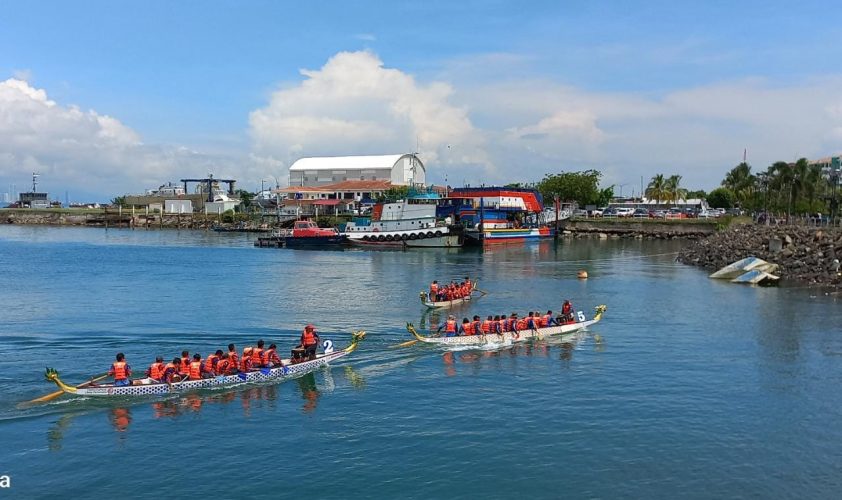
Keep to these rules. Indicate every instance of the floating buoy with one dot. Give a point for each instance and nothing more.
(582, 275)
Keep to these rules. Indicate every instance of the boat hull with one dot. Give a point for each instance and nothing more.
(504, 235)
(508, 337)
(446, 303)
(445, 241)
(314, 241)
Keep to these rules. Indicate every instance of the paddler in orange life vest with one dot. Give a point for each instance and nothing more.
(156, 369)
(245, 363)
(185, 363)
(468, 285)
(232, 356)
(171, 371)
(271, 357)
(257, 355)
(466, 328)
(223, 366)
(434, 291)
(197, 368)
(450, 326)
(212, 361)
(309, 341)
(548, 320)
(121, 371)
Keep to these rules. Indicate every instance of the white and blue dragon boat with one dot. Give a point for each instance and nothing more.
(145, 387)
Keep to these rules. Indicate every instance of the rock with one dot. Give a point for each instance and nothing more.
(603, 236)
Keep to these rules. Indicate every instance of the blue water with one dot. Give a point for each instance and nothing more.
(689, 387)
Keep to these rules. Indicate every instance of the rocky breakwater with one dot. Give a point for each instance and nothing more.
(804, 254)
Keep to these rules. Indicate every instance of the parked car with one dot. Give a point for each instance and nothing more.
(609, 212)
(624, 211)
(597, 212)
(580, 213)
(641, 213)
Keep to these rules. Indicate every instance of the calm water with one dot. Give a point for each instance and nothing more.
(689, 387)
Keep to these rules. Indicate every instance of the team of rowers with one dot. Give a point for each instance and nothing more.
(451, 291)
(216, 364)
(502, 323)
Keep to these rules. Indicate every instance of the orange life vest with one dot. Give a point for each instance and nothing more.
(169, 366)
(209, 363)
(476, 327)
(222, 366)
(245, 364)
(502, 326)
(566, 309)
(486, 326)
(521, 324)
(257, 356)
(185, 366)
(233, 358)
(120, 372)
(545, 320)
(434, 289)
(196, 370)
(308, 337)
(451, 326)
(468, 328)
(156, 370)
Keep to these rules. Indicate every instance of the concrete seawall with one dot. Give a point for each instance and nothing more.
(109, 219)
(643, 229)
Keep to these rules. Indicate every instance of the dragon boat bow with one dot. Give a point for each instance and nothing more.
(511, 337)
(277, 374)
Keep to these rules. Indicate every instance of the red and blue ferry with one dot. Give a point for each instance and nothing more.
(497, 214)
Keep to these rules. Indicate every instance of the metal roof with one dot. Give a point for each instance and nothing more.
(349, 162)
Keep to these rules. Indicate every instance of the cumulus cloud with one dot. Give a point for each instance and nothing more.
(355, 105)
(83, 151)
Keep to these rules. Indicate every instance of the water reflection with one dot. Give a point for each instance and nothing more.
(548, 348)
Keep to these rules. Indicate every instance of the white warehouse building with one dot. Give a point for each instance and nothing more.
(399, 170)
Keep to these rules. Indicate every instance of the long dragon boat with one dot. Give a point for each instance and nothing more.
(278, 374)
(425, 299)
(511, 337)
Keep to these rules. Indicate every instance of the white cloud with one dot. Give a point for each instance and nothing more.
(83, 151)
(354, 105)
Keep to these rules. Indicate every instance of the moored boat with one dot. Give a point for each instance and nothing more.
(306, 234)
(425, 299)
(287, 371)
(511, 337)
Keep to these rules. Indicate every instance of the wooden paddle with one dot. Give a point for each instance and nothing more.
(53, 395)
(404, 344)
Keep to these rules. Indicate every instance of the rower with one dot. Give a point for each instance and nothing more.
(196, 369)
(548, 319)
(121, 371)
(309, 341)
(434, 290)
(495, 325)
(212, 360)
(503, 324)
(485, 327)
(466, 328)
(257, 355)
(476, 325)
(232, 356)
(469, 285)
(185, 364)
(156, 369)
(532, 321)
(449, 326)
(272, 358)
(245, 363)
(171, 371)
(223, 366)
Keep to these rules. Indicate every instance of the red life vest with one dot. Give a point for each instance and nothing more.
(120, 371)
(521, 324)
(434, 289)
(210, 363)
(222, 366)
(308, 338)
(486, 326)
(257, 356)
(245, 364)
(156, 370)
(196, 370)
(451, 326)
(545, 320)
(185, 366)
(468, 328)
(566, 309)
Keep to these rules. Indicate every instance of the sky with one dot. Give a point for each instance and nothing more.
(106, 98)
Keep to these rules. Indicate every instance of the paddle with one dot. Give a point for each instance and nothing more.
(404, 344)
(53, 395)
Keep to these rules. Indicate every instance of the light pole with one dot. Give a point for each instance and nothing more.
(621, 188)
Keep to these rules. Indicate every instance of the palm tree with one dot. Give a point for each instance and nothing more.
(741, 181)
(656, 188)
(674, 191)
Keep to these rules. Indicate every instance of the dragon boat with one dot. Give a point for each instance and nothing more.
(278, 374)
(425, 299)
(511, 337)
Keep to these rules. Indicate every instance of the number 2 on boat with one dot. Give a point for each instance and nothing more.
(328, 345)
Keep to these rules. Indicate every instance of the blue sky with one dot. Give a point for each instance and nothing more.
(517, 89)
